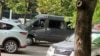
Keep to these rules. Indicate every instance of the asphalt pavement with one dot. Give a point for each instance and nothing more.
(35, 50)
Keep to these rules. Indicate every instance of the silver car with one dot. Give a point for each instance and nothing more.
(67, 46)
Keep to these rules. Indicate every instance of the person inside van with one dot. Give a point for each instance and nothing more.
(42, 23)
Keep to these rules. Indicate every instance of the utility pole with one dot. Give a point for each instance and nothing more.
(10, 15)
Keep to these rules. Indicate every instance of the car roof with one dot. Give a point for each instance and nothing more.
(9, 22)
(47, 16)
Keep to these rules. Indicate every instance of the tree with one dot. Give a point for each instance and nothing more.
(1, 8)
(96, 17)
(30, 6)
(85, 10)
(22, 6)
(57, 7)
(17, 7)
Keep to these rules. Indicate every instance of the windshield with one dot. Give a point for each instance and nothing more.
(29, 22)
(70, 38)
(95, 31)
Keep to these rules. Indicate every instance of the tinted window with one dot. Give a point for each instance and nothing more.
(39, 23)
(56, 24)
(36, 23)
(42, 23)
(9, 26)
(5, 26)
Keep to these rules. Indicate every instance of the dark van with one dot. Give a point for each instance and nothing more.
(50, 28)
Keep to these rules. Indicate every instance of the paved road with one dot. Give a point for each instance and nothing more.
(35, 50)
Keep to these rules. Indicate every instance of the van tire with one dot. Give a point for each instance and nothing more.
(30, 41)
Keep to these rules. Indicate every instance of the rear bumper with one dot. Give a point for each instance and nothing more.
(23, 46)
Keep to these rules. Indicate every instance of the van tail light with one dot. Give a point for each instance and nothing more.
(23, 33)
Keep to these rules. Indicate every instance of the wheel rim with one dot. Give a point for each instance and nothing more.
(10, 47)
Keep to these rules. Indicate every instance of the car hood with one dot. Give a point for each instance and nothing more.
(69, 45)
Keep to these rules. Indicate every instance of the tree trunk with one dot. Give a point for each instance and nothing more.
(26, 11)
(85, 10)
(1, 9)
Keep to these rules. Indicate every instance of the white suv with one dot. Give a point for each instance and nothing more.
(12, 36)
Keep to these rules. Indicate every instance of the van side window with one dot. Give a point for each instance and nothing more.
(42, 23)
(56, 24)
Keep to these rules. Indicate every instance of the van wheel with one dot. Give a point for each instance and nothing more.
(30, 41)
(10, 46)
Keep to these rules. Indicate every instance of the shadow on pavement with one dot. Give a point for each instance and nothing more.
(18, 52)
(37, 49)
(42, 44)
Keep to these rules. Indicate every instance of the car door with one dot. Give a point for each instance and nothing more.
(4, 31)
(39, 29)
(57, 31)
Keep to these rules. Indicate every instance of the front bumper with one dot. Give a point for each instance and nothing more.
(51, 52)
(56, 55)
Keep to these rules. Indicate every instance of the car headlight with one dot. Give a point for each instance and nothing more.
(62, 52)
(95, 45)
(50, 51)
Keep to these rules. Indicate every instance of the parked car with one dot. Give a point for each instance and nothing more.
(67, 46)
(50, 28)
(12, 36)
